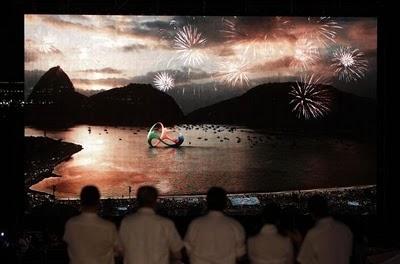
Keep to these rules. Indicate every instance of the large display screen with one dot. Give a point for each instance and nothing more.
(263, 104)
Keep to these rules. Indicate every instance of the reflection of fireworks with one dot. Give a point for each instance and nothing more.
(309, 98)
(305, 54)
(235, 73)
(189, 42)
(349, 64)
(325, 29)
(163, 81)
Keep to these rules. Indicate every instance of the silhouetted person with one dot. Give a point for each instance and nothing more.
(215, 238)
(146, 237)
(329, 241)
(90, 239)
(270, 246)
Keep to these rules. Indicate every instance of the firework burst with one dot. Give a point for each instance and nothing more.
(164, 81)
(349, 64)
(257, 46)
(309, 98)
(305, 54)
(324, 30)
(234, 73)
(231, 32)
(189, 44)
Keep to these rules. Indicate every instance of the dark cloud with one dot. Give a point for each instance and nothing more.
(107, 70)
(157, 25)
(134, 47)
(183, 76)
(30, 56)
(133, 30)
(61, 23)
(111, 82)
(225, 51)
(272, 66)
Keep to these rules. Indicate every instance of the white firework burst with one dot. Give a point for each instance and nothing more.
(305, 54)
(189, 44)
(349, 64)
(324, 30)
(164, 81)
(310, 98)
(234, 73)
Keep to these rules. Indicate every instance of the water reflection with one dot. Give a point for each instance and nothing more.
(241, 160)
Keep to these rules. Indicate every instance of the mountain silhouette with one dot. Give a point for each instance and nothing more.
(54, 101)
(267, 106)
(134, 104)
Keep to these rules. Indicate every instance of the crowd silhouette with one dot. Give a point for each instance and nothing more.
(146, 237)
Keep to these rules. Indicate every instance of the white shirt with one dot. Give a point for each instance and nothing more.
(90, 239)
(215, 238)
(329, 242)
(148, 238)
(270, 247)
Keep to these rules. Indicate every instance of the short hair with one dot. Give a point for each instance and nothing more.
(147, 195)
(271, 213)
(90, 196)
(318, 206)
(216, 199)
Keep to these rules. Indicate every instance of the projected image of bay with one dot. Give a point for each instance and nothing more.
(241, 160)
(265, 104)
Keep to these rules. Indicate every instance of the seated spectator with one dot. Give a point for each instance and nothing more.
(90, 239)
(215, 238)
(146, 237)
(329, 241)
(269, 246)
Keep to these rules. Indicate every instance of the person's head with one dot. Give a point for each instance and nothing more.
(216, 199)
(271, 214)
(318, 206)
(147, 196)
(90, 198)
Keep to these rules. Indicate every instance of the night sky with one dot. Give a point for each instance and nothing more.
(104, 52)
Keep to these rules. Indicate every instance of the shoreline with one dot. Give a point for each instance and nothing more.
(37, 170)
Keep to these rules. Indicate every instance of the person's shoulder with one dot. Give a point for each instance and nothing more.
(73, 219)
(343, 227)
(253, 239)
(232, 221)
(312, 233)
(128, 218)
(164, 220)
(198, 221)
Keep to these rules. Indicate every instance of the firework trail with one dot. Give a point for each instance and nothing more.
(309, 98)
(324, 30)
(257, 46)
(349, 64)
(189, 44)
(234, 73)
(282, 25)
(231, 32)
(305, 54)
(163, 81)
